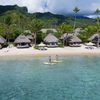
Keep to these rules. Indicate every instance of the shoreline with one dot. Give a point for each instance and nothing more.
(31, 52)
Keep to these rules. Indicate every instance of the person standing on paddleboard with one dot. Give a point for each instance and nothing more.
(49, 59)
(56, 57)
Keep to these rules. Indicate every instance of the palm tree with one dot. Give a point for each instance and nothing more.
(8, 22)
(75, 10)
(63, 28)
(36, 26)
(97, 13)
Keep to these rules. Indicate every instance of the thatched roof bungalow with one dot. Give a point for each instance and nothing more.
(94, 38)
(22, 41)
(75, 39)
(2, 41)
(51, 40)
(31, 38)
(66, 36)
(69, 38)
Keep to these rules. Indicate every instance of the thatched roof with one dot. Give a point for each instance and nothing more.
(29, 37)
(2, 40)
(22, 39)
(75, 39)
(50, 38)
(66, 35)
(94, 38)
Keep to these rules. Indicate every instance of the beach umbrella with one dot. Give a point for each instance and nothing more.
(90, 44)
(41, 44)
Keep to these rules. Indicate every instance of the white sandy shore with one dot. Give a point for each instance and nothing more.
(51, 51)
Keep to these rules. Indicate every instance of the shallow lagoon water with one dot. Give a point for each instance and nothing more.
(77, 78)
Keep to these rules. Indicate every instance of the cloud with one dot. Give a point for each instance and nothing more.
(54, 6)
(94, 6)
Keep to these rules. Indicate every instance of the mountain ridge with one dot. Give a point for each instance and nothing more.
(6, 8)
(16, 13)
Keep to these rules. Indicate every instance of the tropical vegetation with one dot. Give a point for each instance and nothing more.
(15, 20)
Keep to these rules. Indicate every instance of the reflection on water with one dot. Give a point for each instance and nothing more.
(77, 78)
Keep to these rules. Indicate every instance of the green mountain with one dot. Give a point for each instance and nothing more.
(50, 20)
(4, 9)
(55, 19)
(20, 15)
(15, 20)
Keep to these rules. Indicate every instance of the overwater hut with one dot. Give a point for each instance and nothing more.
(51, 41)
(2, 41)
(22, 42)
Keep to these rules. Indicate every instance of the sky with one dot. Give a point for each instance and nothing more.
(55, 6)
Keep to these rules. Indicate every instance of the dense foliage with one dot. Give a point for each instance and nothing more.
(15, 20)
(87, 33)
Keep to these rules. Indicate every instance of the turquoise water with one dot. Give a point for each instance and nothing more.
(77, 78)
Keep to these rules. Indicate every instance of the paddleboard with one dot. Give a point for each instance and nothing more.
(47, 63)
(57, 61)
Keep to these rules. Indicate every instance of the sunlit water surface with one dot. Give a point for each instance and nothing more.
(76, 78)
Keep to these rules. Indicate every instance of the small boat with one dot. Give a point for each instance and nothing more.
(57, 61)
(48, 63)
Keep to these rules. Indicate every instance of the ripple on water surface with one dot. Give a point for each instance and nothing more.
(77, 78)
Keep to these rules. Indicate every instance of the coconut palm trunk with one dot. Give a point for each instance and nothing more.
(74, 23)
(98, 34)
(63, 43)
(75, 10)
(35, 39)
(98, 39)
(8, 23)
(97, 13)
(35, 26)
(8, 34)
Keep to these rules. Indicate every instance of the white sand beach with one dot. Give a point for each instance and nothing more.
(50, 51)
